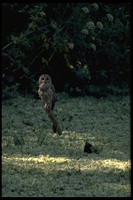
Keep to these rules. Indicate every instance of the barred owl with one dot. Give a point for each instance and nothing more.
(46, 92)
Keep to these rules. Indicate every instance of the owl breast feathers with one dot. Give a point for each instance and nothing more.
(46, 92)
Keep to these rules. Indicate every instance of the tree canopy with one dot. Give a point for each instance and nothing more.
(85, 47)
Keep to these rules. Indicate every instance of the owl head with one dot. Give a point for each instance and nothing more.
(45, 78)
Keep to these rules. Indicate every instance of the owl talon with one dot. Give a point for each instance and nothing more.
(47, 108)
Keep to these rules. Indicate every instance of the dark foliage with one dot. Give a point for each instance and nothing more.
(85, 47)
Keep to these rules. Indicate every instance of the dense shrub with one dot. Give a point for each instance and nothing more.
(81, 45)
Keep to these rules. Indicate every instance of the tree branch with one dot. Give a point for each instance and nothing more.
(56, 127)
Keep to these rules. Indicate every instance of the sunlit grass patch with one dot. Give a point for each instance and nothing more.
(47, 164)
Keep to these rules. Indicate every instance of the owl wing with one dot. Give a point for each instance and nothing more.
(54, 99)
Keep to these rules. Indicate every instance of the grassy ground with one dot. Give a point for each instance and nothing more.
(46, 164)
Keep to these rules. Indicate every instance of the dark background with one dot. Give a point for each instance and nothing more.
(84, 47)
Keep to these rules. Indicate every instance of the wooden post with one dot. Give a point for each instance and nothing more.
(56, 127)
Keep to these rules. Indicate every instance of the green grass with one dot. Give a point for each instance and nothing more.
(49, 165)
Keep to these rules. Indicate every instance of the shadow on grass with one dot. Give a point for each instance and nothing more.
(52, 165)
(47, 176)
